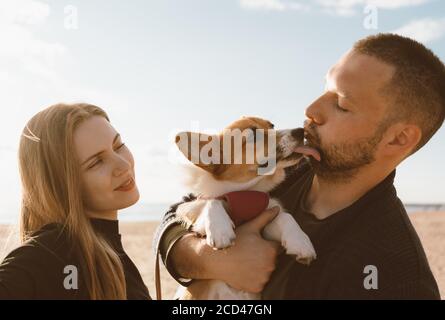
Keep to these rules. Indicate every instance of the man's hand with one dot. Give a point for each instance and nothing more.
(246, 266)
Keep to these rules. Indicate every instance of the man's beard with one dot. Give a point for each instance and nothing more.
(341, 162)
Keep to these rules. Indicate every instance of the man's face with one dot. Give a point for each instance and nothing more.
(345, 124)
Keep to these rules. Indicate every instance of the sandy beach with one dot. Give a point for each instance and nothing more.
(137, 238)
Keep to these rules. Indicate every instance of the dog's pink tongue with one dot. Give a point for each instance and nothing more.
(308, 151)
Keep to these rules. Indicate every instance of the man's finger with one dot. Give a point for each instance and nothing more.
(278, 247)
(263, 219)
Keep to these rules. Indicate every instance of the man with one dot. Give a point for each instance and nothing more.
(383, 101)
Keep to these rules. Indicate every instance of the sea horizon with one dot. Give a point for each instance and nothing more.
(155, 211)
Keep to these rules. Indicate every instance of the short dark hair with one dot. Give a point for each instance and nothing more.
(417, 88)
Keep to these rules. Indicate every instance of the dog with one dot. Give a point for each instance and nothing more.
(208, 214)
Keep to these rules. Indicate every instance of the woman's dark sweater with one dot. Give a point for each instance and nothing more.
(38, 268)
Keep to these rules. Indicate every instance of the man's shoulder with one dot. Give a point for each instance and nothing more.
(386, 248)
(388, 241)
(387, 227)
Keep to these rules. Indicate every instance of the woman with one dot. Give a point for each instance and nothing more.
(76, 174)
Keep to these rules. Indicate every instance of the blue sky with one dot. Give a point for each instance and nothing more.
(160, 66)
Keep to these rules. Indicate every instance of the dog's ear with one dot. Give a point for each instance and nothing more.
(202, 150)
(191, 144)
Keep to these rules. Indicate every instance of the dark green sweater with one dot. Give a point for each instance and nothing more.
(374, 231)
(35, 270)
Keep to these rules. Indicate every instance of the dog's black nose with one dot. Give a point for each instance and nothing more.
(298, 134)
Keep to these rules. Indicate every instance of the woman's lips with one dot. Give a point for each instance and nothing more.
(129, 185)
(308, 151)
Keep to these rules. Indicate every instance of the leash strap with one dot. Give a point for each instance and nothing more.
(158, 277)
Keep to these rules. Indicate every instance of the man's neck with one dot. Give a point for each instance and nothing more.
(326, 197)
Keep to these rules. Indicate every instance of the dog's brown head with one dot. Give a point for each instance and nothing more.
(245, 149)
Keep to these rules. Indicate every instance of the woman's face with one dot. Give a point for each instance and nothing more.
(107, 169)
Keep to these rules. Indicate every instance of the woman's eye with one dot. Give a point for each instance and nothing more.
(121, 146)
(99, 161)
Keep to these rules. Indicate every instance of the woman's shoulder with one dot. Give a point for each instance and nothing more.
(37, 267)
(47, 245)
(49, 233)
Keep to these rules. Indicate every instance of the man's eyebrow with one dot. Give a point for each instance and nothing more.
(100, 152)
(343, 95)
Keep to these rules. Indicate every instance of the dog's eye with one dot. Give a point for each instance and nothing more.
(271, 125)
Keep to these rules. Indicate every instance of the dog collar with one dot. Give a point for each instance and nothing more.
(244, 205)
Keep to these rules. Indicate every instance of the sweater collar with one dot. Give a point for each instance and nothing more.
(375, 194)
(106, 227)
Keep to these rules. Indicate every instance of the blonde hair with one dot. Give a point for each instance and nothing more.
(50, 175)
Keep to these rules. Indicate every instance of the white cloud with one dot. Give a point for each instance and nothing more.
(29, 73)
(21, 50)
(273, 5)
(263, 4)
(336, 7)
(340, 7)
(396, 4)
(27, 62)
(351, 7)
(423, 30)
(23, 11)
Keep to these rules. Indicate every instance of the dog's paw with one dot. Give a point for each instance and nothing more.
(220, 236)
(301, 246)
(219, 228)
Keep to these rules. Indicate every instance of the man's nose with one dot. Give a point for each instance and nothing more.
(298, 134)
(313, 113)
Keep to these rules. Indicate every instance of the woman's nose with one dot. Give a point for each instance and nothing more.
(122, 166)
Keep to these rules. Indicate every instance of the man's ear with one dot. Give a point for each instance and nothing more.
(403, 139)
(201, 149)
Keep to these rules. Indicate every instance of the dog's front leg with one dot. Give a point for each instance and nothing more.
(218, 226)
(286, 230)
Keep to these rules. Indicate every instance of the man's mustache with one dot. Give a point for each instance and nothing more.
(310, 133)
(313, 140)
